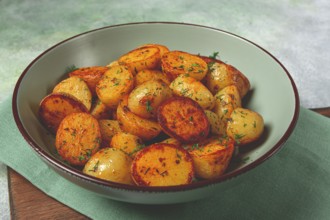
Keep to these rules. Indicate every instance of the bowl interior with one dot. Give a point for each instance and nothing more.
(273, 93)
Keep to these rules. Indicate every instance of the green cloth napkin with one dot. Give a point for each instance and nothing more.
(293, 184)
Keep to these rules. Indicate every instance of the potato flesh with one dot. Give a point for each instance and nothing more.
(128, 143)
(162, 165)
(78, 138)
(146, 75)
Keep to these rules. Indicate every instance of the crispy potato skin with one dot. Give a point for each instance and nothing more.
(147, 57)
(183, 119)
(175, 63)
(162, 48)
(77, 88)
(226, 100)
(91, 75)
(245, 126)
(145, 98)
(146, 75)
(211, 157)
(54, 107)
(101, 111)
(131, 123)
(162, 165)
(78, 138)
(128, 143)
(117, 82)
(187, 86)
(110, 164)
(221, 75)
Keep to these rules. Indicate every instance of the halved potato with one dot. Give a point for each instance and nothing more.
(147, 57)
(221, 75)
(145, 98)
(162, 48)
(114, 85)
(128, 143)
(226, 100)
(245, 126)
(183, 119)
(211, 157)
(187, 86)
(91, 75)
(175, 63)
(131, 123)
(162, 165)
(146, 75)
(76, 87)
(78, 138)
(110, 164)
(54, 107)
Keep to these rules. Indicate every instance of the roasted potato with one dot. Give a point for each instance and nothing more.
(187, 86)
(146, 75)
(128, 143)
(108, 129)
(78, 137)
(183, 119)
(245, 126)
(76, 87)
(162, 48)
(211, 157)
(145, 98)
(172, 141)
(226, 100)
(91, 75)
(221, 75)
(114, 85)
(162, 165)
(146, 57)
(215, 123)
(54, 107)
(131, 123)
(101, 111)
(175, 63)
(110, 164)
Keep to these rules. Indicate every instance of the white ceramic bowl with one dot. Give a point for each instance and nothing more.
(273, 95)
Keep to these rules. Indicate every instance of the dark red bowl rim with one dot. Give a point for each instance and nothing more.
(72, 171)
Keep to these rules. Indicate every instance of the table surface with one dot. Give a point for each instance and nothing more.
(298, 38)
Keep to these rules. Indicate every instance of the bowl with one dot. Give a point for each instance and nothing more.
(273, 94)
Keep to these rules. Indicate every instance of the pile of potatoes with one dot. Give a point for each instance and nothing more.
(153, 117)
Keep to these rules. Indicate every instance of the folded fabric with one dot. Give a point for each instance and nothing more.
(293, 184)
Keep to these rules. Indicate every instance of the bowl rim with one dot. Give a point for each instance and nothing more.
(119, 186)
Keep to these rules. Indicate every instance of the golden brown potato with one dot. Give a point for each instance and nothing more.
(145, 98)
(108, 129)
(226, 100)
(162, 48)
(78, 138)
(114, 85)
(110, 164)
(128, 143)
(245, 126)
(211, 157)
(54, 107)
(91, 75)
(101, 111)
(221, 75)
(183, 119)
(146, 75)
(131, 123)
(215, 122)
(162, 165)
(187, 86)
(175, 63)
(76, 87)
(147, 57)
